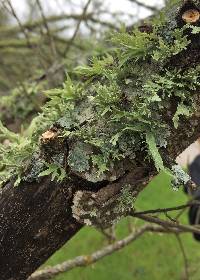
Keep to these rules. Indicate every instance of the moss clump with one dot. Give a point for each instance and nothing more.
(127, 105)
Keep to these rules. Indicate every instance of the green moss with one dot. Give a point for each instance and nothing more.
(124, 97)
(22, 101)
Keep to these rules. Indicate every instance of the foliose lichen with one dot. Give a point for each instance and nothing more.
(123, 106)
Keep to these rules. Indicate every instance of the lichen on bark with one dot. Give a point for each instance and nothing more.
(124, 109)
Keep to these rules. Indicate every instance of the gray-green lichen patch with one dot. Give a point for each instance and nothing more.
(78, 158)
(89, 210)
(180, 177)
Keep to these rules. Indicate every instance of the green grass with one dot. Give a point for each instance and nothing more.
(152, 257)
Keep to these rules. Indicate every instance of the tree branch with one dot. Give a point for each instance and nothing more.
(18, 21)
(144, 5)
(77, 28)
(168, 224)
(165, 210)
(49, 273)
(186, 266)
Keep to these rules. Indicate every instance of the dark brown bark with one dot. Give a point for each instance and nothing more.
(35, 221)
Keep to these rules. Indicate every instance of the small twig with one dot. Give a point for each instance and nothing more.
(12, 10)
(191, 202)
(182, 211)
(170, 218)
(167, 224)
(129, 224)
(77, 28)
(170, 209)
(151, 8)
(109, 234)
(52, 44)
(186, 266)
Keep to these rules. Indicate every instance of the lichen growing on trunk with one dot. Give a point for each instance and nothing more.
(125, 107)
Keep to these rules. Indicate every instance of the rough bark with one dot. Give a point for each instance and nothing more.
(35, 222)
(36, 218)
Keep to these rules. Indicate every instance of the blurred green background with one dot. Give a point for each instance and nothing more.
(152, 257)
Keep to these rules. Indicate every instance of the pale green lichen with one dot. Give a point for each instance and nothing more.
(180, 177)
(126, 200)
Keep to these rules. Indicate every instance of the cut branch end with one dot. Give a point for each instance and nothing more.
(191, 16)
(48, 135)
